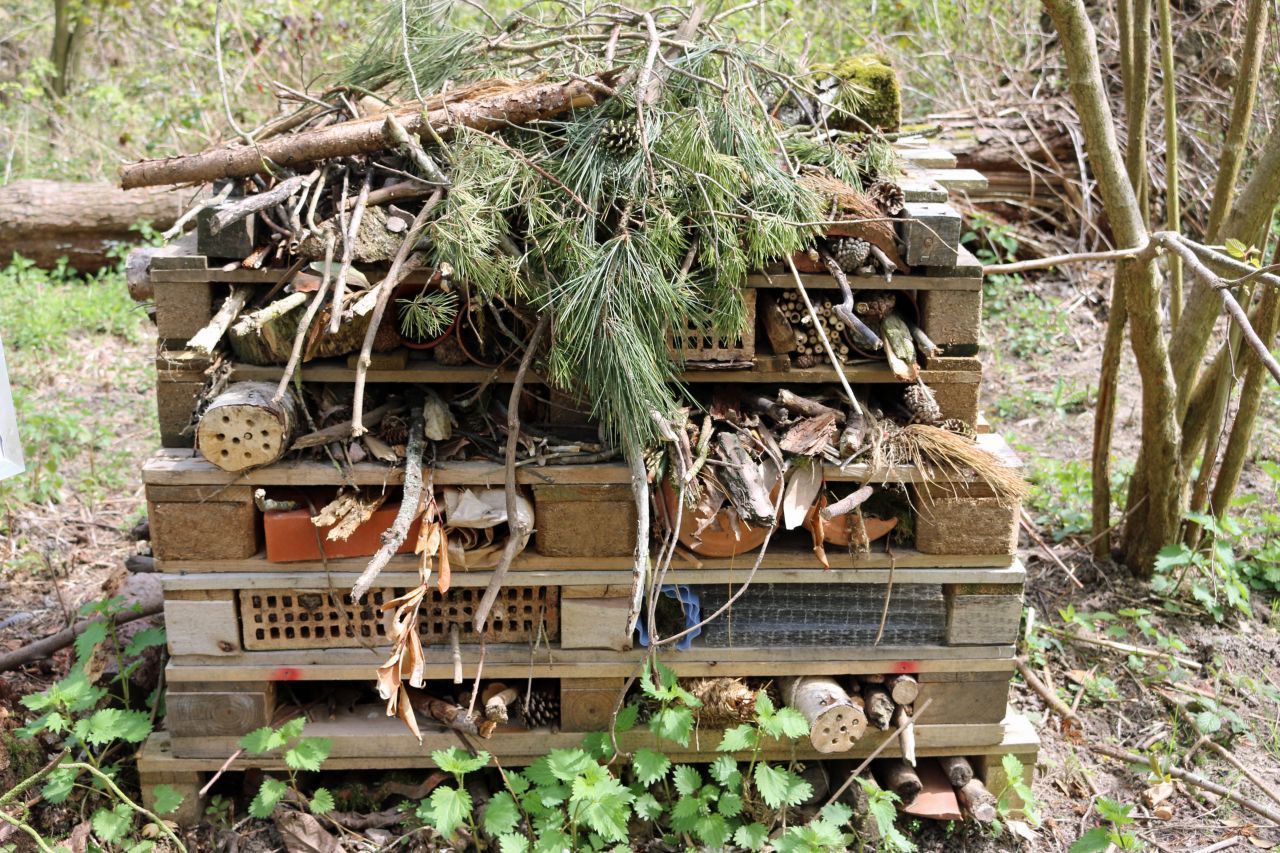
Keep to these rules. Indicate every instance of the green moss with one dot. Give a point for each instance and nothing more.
(871, 94)
(20, 759)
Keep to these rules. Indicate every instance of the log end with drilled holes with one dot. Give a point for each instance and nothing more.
(244, 428)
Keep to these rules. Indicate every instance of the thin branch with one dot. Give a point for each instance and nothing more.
(348, 252)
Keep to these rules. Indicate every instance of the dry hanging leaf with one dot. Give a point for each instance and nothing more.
(799, 496)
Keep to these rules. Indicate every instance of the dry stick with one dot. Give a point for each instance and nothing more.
(218, 773)
(1051, 699)
(1235, 762)
(888, 596)
(176, 228)
(844, 310)
(396, 135)
(1035, 537)
(395, 535)
(1190, 778)
(515, 527)
(885, 744)
(249, 205)
(295, 355)
(348, 252)
(207, 338)
(822, 335)
(65, 637)
(455, 653)
(1121, 647)
(399, 267)
(640, 568)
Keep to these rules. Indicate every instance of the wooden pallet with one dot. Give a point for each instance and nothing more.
(382, 744)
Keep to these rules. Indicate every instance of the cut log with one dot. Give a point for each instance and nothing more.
(900, 777)
(899, 347)
(781, 336)
(958, 769)
(907, 739)
(266, 336)
(835, 722)
(244, 428)
(793, 402)
(516, 105)
(879, 707)
(86, 223)
(498, 701)
(743, 478)
(977, 801)
(903, 689)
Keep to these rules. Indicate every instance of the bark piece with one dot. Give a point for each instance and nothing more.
(835, 722)
(793, 402)
(957, 768)
(244, 427)
(811, 436)
(977, 801)
(902, 719)
(782, 338)
(266, 336)
(879, 707)
(743, 478)
(900, 777)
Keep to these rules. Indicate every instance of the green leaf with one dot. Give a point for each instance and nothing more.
(836, 814)
(59, 784)
(602, 803)
(458, 761)
(566, 764)
(1235, 248)
(1096, 840)
(1114, 812)
(685, 813)
(725, 771)
(687, 779)
(729, 804)
(674, 724)
(553, 840)
(502, 815)
(791, 723)
(598, 745)
(450, 808)
(110, 825)
(647, 806)
(93, 634)
(166, 799)
(512, 842)
(517, 783)
(882, 806)
(292, 729)
(751, 836)
(649, 765)
(780, 787)
(114, 724)
(741, 738)
(269, 795)
(626, 719)
(713, 830)
(308, 753)
(143, 640)
(764, 705)
(261, 740)
(322, 801)
(140, 847)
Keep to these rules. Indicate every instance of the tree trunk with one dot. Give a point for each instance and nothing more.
(47, 220)
(244, 428)
(519, 105)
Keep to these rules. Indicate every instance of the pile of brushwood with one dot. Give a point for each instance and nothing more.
(596, 181)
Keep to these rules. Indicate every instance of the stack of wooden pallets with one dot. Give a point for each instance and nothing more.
(253, 641)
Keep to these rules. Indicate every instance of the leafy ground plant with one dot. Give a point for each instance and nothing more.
(300, 754)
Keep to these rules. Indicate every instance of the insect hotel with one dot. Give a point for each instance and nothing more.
(474, 403)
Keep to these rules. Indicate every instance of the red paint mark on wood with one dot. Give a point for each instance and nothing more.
(286, 673)
(906, 666)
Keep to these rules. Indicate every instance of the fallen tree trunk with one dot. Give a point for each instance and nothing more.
(518, 105)
(82, 222)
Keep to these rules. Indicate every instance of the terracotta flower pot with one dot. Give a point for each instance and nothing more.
(839, 530)
(723, 537)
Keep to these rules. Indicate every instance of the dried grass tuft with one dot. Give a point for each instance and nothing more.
(942, 455)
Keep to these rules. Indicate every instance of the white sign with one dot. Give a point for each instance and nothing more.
(10, 448)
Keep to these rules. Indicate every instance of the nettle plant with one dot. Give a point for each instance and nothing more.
(580, 799)
(78, 712)
(300, 754)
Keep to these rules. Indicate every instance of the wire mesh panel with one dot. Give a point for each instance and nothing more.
(825, 614)
(314, 619)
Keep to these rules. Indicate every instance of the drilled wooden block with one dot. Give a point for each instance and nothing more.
(182, 308)
(584, 521)
(930, 234)
(952, 318)
(229, 708)
(586, 704)
(594, 623)
(202, 523)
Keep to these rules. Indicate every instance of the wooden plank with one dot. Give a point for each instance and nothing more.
(584, 521)
(926, 158)
(986, 618)
(930, 233)
(203, 628)
(594, 623)
(959, 179)
(952, 319)
(336, 370)
(514, 661)
(384, 743)
(782, 280)
(229, 709)
(600, 584)
(781, 563)
(182, 310)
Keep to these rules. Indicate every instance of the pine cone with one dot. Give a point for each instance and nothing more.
(958, 426)
(619, 136)
(394, 430)
(923, 406)
(541, 708)
(849, 252)
(889, 197)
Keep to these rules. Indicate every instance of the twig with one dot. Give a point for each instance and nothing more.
(396, 134)
(1190, 778)
(640, 569)
(515, 527)
(218, 773)
(222, 75)
(888, 596)
(822, 335)
(176, 228)
(455, 653)
(1069, 258)
(251, 204)
(1121, 647)
(67, 636)
(295, 355)
(348, 252)
(1035, 537)
(399, 267)
(207, 338)
(393, 537)
(1235, 762)
(1051, 699)
(885, 744)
